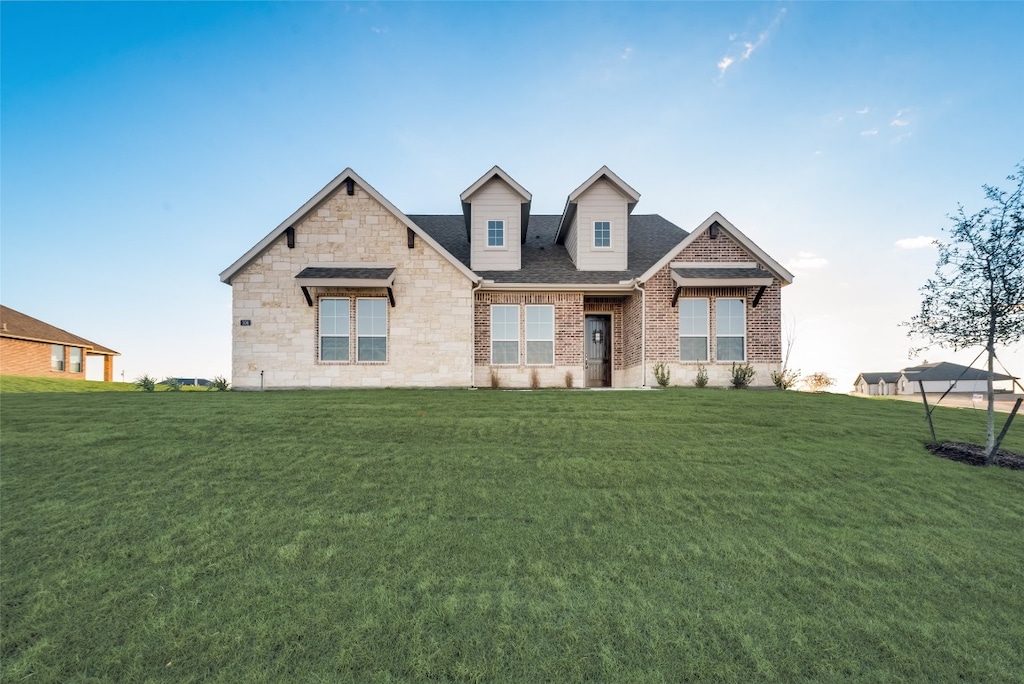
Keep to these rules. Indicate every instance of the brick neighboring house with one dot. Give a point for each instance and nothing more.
(31, 347)
(349, 291)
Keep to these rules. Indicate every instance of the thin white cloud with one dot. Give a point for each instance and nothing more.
(748, 47)
(899, 122)
(806, 261)
(919, 242)
(869, 132)
(627, 53)
(863, 111)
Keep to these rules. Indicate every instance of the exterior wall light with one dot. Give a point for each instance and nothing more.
(598, 337)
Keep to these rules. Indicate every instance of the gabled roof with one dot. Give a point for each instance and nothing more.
(946, 371)
(716, 219)
(316, 200)
(631, 195)
(496, 172)
(873, 378)
(19, 326)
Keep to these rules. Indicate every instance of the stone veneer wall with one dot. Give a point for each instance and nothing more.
(764, 323)
(429, 330)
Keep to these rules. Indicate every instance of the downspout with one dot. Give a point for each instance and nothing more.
(472, 331)
(643, 331)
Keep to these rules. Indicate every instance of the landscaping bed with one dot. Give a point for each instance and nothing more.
(974, 455)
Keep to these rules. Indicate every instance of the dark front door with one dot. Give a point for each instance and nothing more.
(598, 344)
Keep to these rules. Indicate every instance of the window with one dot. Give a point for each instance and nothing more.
(693, 330)
(505, 334)
(57, 357)
(76, 359)
(540, 335)
(731, 328)
(602, 234)
(495, 233)
(334, 329)
(372, 329)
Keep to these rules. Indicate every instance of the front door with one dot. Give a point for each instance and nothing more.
(598, 344)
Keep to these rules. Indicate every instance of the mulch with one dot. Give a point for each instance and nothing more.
(974, 455)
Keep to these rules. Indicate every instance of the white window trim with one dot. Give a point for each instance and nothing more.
(504, 234)
(386, 336)
(321, 335)
(526, 346)
(593, 236)
(743, 303)
(519, 323)
(71, 360)
(707, 336)
(61, 365)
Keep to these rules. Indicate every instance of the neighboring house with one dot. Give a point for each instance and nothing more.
(350, 291)
(937, 378)
(29, 346)
(876, 384)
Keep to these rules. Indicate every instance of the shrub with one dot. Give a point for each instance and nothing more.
(219, 384)
(742, 375)
(819, 382)
(568, 379)
(785, 379)
(702, 377)
(495, 379)
(172, 384)
(534, 379)
(662, 374)
(146, 383)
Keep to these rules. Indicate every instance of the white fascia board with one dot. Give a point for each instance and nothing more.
(784, 276)
(720, 282)
(713, 264)
(624, 286)
(605, 172)
(325, 192)
(345, 282)
(496, 171)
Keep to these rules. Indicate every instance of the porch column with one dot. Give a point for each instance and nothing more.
(108, 368)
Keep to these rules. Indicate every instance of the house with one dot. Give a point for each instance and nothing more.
(876, 384)
(349, 291)
(29, 346)
(936, 377)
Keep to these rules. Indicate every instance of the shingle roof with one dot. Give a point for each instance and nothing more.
(21, 326)
(946, 371)
(543, 261)
(722, 273)
(346, 273)
(873, 378)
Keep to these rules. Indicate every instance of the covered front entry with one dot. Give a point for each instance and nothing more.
(598, 345)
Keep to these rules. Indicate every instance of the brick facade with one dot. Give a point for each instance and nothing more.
(25, 357)
(763, 329)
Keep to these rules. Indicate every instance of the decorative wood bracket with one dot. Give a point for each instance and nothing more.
(305, 291)
(391, 297)
(675, 296)
(757, 298)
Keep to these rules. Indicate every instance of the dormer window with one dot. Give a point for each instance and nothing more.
(495, 233)
(602, 234)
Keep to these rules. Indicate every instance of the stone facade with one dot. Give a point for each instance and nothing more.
(429, 330)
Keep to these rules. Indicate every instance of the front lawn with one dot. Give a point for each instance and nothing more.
(401, 535)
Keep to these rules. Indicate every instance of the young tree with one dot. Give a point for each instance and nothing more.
(976, 297)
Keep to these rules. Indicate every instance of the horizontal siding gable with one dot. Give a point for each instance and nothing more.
(602, 202)
(495, 200)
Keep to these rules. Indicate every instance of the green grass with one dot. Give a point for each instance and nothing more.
(383, 536)
(15, 384)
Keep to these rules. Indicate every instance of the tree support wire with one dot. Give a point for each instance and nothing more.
(1006, 427)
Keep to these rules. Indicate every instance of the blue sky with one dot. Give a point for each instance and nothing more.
(145, 146)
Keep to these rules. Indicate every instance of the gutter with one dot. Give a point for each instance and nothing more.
(472, 332)
(637, 285)
(622, 287)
